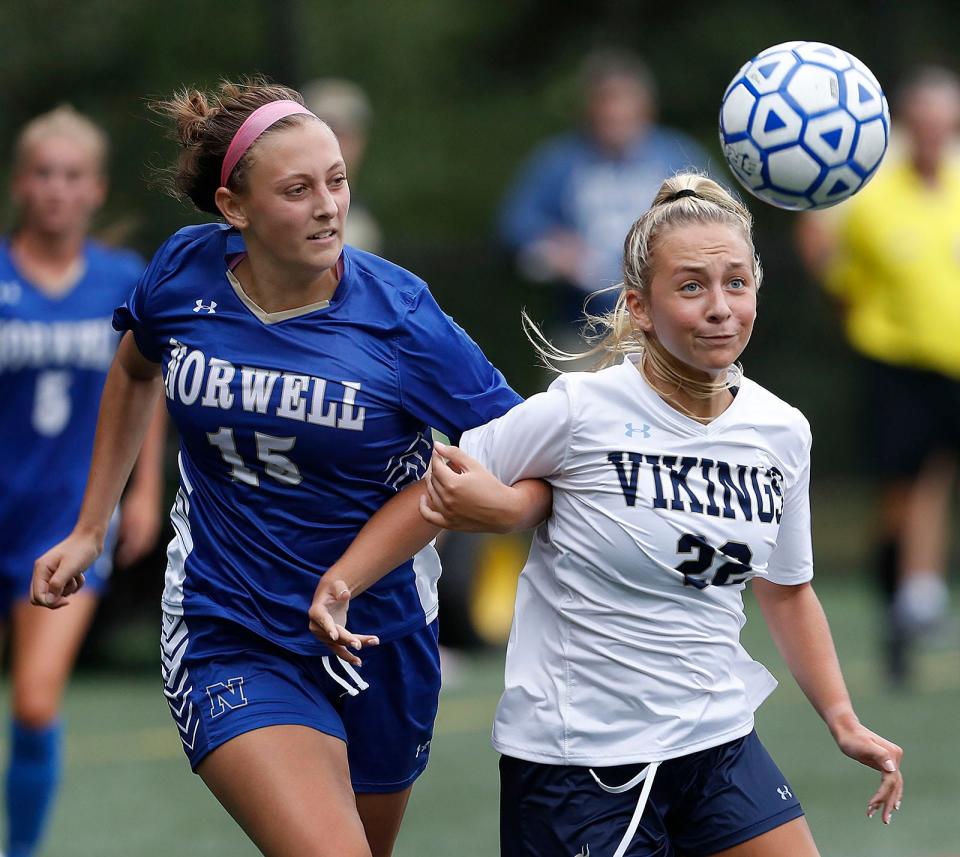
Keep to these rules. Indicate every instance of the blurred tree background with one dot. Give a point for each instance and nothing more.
(462, 91)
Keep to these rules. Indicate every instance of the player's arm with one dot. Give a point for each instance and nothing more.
(800, 630)
(126, 408)
(141, 515)
(395, 533)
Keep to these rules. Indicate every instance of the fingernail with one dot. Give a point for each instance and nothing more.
(896, 806)
(49, 598)
(355, 644)
(889, 766)
(375, 641)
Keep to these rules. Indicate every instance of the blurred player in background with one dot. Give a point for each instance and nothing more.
(568, 209)
(891, 258)
(302, 376)
(58, 289)
(344, 106)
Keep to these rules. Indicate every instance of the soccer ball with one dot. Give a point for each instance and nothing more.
(804, 125)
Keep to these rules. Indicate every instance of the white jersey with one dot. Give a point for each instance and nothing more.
(625, 644)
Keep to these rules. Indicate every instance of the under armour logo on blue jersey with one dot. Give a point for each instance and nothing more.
(10, 292)
(224, 695)
(211, 307)
(643, 431)
(784, 792)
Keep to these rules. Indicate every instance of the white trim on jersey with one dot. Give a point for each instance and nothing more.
(426, 569)
(180, 547)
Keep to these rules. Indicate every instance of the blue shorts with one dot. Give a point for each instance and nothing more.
(16, 574)
(222, 680)
(699, 804)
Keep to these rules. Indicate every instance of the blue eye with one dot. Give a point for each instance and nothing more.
(737, 284)
(690, 287)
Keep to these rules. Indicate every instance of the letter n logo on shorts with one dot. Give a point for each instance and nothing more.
(226, 695)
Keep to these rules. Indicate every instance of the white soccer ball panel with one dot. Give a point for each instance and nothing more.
(767, 74)
(735, 113)
(830, 137)
(784, 200)
(864, 100)
(838, 184)
(818, 52)
(783, 46)
(736, 79)
(815, 88)
(775, 122)
(871, 145)
(792, 169)
(744, 159)
(862, 67)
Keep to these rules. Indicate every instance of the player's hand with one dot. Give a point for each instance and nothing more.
(328, 621)
(463, 495)
(140, 524)
(876, 752)
(58, 574)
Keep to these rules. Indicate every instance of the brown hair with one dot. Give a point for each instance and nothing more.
(204, 125)
(684, 198)
(62, 121)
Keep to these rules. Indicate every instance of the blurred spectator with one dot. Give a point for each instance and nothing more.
(578, 194)
(344, 106)
(891, 256)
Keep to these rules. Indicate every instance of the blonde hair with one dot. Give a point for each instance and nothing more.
(683, 198)
(62, 121)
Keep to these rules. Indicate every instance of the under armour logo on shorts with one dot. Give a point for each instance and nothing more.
(784, 792)
(584, 852)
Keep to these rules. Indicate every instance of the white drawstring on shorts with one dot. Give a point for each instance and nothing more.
(351, 672)
(646, 777)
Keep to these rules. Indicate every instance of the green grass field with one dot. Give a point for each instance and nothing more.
(128, 790)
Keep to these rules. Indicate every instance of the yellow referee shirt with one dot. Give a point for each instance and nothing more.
(897, 269)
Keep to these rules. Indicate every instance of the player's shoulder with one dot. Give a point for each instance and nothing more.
(588, 387)
(383, 280)
(772, 416)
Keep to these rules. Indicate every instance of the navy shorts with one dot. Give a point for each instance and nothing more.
(698, 805)
(910, 414)
(222, 680)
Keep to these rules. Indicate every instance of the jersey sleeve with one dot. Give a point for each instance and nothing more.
(445, 380)
(135, 313)
(529, 442)
(791, 562)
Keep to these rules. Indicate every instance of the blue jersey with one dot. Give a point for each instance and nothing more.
(295, 427)
(54, 356)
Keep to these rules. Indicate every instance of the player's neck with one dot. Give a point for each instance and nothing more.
(686, 393)
(275, 290)
(52, 262)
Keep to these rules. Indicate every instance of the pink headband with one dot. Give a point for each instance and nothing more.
(253, 126)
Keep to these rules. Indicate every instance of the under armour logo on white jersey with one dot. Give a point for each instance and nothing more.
(211, 308)
(584, 852)
(784, 792)
(643, 431)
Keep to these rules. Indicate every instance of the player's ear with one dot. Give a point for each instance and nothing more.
(231, 207)
(639, 309)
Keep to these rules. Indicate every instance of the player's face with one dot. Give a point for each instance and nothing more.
(59, 186)
(295, 205)
(702, 299)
